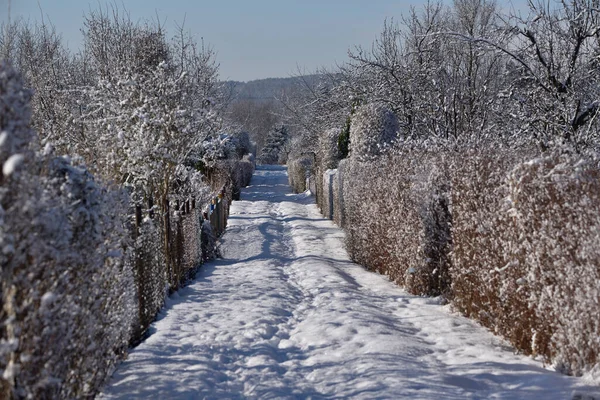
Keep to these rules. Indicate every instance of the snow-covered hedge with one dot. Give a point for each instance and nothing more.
(329, 154)
(68, 296)
(241, 175)
(338, 194)
(374, 128)
(161, 268)
(526, 259)
(555, 206)
(299, 170)
(481, 228)
(396, 219)
(509, 236)
(85, 267)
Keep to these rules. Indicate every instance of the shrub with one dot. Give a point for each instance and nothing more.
(299, 170)
(65, 285)
(373, 129)
(555, 203)
(241, 175)
(480, 231)
(396, 219)
(329, 154)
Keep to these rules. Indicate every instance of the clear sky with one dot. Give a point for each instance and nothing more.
(253, 38)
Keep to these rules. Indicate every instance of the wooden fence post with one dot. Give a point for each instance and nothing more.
(150, 207)
(219, 211)
(167, 227)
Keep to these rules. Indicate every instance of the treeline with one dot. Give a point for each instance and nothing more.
(109, 158)
(459, 153)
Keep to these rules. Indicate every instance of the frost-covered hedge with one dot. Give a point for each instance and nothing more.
(67, 295)
(85, 267)
(373, 129)
(525, 255)
(299, 170)
(241, 175)
(508, 235)
(555, 206)
(160, 268)
(396, 219)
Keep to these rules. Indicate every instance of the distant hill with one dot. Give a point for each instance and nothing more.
(266, 89)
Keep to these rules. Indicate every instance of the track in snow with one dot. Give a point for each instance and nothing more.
(285, 314)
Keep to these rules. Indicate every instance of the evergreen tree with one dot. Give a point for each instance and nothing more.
(275, 146)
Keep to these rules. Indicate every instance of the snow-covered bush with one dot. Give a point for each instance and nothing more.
(481, 228)
(524, 253)
(65, 285)
(217, 148)
(299, 171)
(483, 201)
(554, 204)
(329, 154)
(243, 145)
(86, 261)
(150, 273)
(241, 175)
(396, 218)
(338, 194)
(374, 128)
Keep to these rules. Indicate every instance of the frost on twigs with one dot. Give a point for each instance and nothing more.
(374, 128)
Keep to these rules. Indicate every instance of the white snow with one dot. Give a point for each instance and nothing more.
(11, 165)
(287, 315)
(3, 138)
(47, 299)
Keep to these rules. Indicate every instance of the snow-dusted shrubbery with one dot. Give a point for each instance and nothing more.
(329, 154)
(477, 197)
(65, 285)
(88, 256)
(481, 227)
(555, 201)
(299, 170)
(241, 176)
(396, 218)
(535, 236)
(510, 238)
(373, 129)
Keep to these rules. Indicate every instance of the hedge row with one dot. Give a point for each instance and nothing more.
(83, 271)
(510, 236)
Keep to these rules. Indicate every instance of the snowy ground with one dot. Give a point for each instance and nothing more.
(286, 315)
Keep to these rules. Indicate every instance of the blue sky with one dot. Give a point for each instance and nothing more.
(253, 38)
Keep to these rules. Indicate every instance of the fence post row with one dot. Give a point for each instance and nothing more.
(217, 215)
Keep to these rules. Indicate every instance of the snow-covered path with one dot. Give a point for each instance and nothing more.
(286, 315)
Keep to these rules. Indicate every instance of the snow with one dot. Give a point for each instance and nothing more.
(285, 314)
(11, 165)
(47, 299)
(3, 138)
